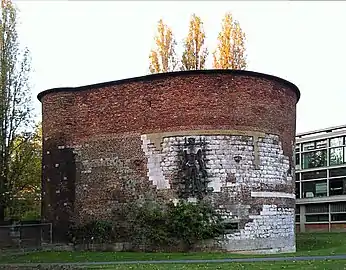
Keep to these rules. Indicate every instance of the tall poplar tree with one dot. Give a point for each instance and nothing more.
(163, 57)
(230, 52)
(195, 53)
(25, 176)
(15, 103)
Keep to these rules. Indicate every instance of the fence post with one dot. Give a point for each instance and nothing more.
(51, 232)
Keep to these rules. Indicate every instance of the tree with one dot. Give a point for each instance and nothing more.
(163, 57)
(24, 184)
(230, 52)
(195, 53)
(15, 105)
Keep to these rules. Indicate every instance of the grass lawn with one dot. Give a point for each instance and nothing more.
(308, 265)
(307, 244)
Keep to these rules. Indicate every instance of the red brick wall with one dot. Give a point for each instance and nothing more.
(316, 227)
(338, 227)
(174, 102)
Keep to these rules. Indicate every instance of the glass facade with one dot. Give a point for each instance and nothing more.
(320, 175)
(315, 154)
(314, 159)
(336, 156)
(316, 175)
(320, 213)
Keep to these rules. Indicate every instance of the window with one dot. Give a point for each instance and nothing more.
(321, 144)
(339, 217)
(337, 186)
(297, 148)
(314, 159)
(338, 207)
(317, 218)
(337, 172)
(336, 156)
(313, 189)
(297, 218)
(297, 190)
(297, 176)
(314, 175)
(336, 141)
(315, 145)
(308, 146)
(297, 161)
(317, 208)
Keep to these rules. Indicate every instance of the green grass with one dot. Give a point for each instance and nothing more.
(307, 244)
(320, 244)
(307, 265)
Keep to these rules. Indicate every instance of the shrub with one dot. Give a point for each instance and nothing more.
(189, 223)
(161, 225)
(151, 225)
(94, 231)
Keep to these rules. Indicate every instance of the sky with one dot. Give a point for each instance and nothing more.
(74, 43)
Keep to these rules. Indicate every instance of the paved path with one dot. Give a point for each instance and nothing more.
(237, 260)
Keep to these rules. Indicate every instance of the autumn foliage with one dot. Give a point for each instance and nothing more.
(230, 51)
(195, 53)
(162, 57)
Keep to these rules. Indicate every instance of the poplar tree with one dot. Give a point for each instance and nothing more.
(15, 103)
(230, 52)
(163, 57)
(195, 53)
(25, 176)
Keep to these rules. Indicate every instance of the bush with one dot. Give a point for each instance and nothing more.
(189, 223)
(153, 226)
(92, 232)
(185, 224)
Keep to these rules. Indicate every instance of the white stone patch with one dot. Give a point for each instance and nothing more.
(273, 194)
(272, 225)
(270, 168)
(155, 172)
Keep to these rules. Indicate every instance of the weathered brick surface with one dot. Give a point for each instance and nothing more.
(108, 129)
(185, 102)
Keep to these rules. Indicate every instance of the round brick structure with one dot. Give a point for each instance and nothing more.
(113, 142)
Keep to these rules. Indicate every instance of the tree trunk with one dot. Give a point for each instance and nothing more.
(2, 212)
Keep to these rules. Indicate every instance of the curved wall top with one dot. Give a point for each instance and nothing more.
(189, 100)
(173, 74)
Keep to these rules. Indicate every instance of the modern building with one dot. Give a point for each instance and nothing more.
(321, 180)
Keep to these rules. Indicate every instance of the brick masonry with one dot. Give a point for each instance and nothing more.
(111, 143)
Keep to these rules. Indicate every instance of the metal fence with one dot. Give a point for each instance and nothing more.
(19, 236)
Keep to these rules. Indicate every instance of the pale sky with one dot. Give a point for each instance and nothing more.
(75, 43)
